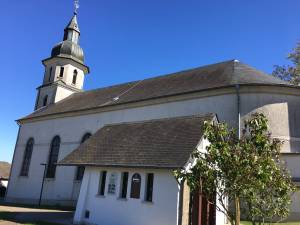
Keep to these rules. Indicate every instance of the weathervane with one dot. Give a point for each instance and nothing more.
(76, 6)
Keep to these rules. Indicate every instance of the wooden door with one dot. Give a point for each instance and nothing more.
(202, 211)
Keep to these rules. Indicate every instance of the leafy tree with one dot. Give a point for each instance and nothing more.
(247, 170)
(290, 73)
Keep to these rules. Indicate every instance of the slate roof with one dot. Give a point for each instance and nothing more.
(224, 74)
(162, 143)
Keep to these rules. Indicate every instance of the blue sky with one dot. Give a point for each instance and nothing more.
(126, 40)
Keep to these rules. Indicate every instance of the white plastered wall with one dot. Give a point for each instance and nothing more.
(111, 210)
(72, 129)
(278, 108)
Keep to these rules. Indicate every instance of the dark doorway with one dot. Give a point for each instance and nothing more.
(202, 211)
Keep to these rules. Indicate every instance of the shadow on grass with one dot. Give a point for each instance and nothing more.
(38, 218)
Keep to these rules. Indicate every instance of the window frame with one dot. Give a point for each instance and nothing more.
(79, 173)
(80, 169)
(45, 100)
(149, 184)
(124, 185)
(135, 191)
(74, 78)
(102, 183)
(27, 158)
(85, 137)
(53, 157)
(50, 74)
(61, 72)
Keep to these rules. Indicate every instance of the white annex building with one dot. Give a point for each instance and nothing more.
(116, 147)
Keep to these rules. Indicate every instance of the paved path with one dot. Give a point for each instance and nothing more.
(25, 215)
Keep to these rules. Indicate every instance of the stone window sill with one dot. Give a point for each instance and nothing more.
(147, 202)
(100, 196)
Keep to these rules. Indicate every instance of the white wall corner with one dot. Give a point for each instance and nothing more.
(80, 207)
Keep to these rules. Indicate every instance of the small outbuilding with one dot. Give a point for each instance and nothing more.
(128, 176)
(4, 176)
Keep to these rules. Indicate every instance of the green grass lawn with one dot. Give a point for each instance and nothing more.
(290, 223)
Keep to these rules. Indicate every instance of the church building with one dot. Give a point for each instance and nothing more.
(111, 152)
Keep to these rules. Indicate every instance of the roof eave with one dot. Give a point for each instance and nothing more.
(172, 167)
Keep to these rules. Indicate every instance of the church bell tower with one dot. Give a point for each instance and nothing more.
(64, 70)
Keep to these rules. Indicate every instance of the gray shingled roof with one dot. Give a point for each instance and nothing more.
(208, 77)
(162, 143)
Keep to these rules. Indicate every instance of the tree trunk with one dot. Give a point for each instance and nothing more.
(237, 211)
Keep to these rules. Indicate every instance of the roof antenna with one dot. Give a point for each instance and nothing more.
(76, 6)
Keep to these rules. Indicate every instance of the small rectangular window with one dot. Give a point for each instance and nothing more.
(61, 72)
(50, 74)
(102, 181)
(74, 79)
(79, 173)
(124, 184)
(149, 187)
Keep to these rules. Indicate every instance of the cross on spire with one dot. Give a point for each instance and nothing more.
(76, 6)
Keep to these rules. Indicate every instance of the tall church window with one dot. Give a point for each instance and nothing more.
(50, 74)
(149, 187)
(123, 186)
(135, 186)
(102, 182)
(80, 169)
(85, 137)
(74, 77)
(27, 157)
(45, 100)
(61, 72)
(53, 157)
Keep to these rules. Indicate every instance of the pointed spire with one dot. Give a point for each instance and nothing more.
(72, 31)
(73, 24)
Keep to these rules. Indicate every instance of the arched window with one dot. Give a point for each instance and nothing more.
(27, 157)
(45, 100)
(135, 186)
(74, 77)
(85, 137)
(53, 157)
(80, 169)
(50, 74)
(61, 72)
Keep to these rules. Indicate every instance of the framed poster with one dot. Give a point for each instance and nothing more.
(112, 183)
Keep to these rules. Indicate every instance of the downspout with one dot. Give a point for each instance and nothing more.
(13, 160)
(238, 102)
(180, 203)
